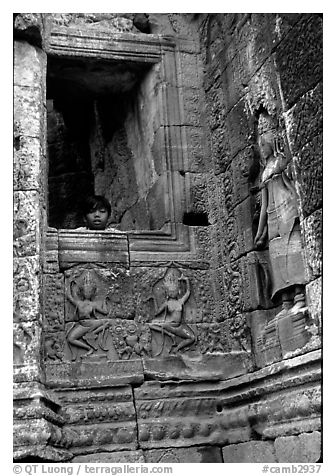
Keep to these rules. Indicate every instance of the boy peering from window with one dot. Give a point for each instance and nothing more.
(96, 213)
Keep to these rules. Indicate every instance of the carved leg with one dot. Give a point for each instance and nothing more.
(77, 343)
(299, 300)
(88, 353)
(91, 345)
(184, 343)
(188, 338)
(286, 304)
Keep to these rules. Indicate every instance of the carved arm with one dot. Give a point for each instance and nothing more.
(262, 226)
(186, 295)
(69, 295)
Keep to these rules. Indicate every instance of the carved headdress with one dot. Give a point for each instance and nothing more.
(266, 123)
(268, 127)
(89, 282)
(170, 281)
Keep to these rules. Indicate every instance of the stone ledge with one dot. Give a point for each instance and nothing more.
(304, 448)
(279, 400)
(206, 367)
(111, 458)
(72, 375)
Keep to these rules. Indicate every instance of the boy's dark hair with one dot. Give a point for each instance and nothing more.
(93, 202)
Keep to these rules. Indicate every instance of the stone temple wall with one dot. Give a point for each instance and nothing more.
(163, 342)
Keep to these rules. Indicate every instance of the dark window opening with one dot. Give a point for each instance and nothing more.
(93, 123)
(195, 219)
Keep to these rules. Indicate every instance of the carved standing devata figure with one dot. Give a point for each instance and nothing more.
(279, 221)
(87, 323)
(171, 322)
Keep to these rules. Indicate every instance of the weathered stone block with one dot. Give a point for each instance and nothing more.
(263, 90)
(250, 452)
(314, 301)
(93, 374)
(172, 416)
(198, 149)
(192, 107)
(26, 224)
(190, 71)
(29, 164)
(198, 454)
(29, 26)
(100, 418)
(29, 65)
(312, 229)
(257, 38)
(234, 79)
(210, 366)
(239, 229)
(247, 47)
(117, 22)
(308, 168)
(89, 246)
(282, 23)
(221, 148)
(215, 105)
(35, 433)
(111, 458)
(197, 193)
(304, 120)
(29, 111)
(27, 343)
(295, 56)
(239, 125)
(27, 287)
(239, 174)
(32, 372)
(304, 448)
(54, 301)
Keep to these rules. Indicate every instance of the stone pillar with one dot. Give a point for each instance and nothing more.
(36, 420)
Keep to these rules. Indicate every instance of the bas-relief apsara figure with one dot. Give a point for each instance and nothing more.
(172, 324)
(86, 308)
(279, 221)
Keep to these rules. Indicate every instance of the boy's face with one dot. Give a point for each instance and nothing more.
(97, 219)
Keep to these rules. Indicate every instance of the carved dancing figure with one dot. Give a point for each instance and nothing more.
(172, 324)
(279, 220)
(87, 321)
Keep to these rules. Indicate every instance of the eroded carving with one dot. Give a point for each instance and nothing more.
(210, 338)
(240, 333)
(173, 291)
(279, 225)
(279, 219)
(130, 340)
(54, 346)
(88, 331)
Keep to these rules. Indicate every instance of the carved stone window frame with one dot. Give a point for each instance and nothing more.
(176, 241)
